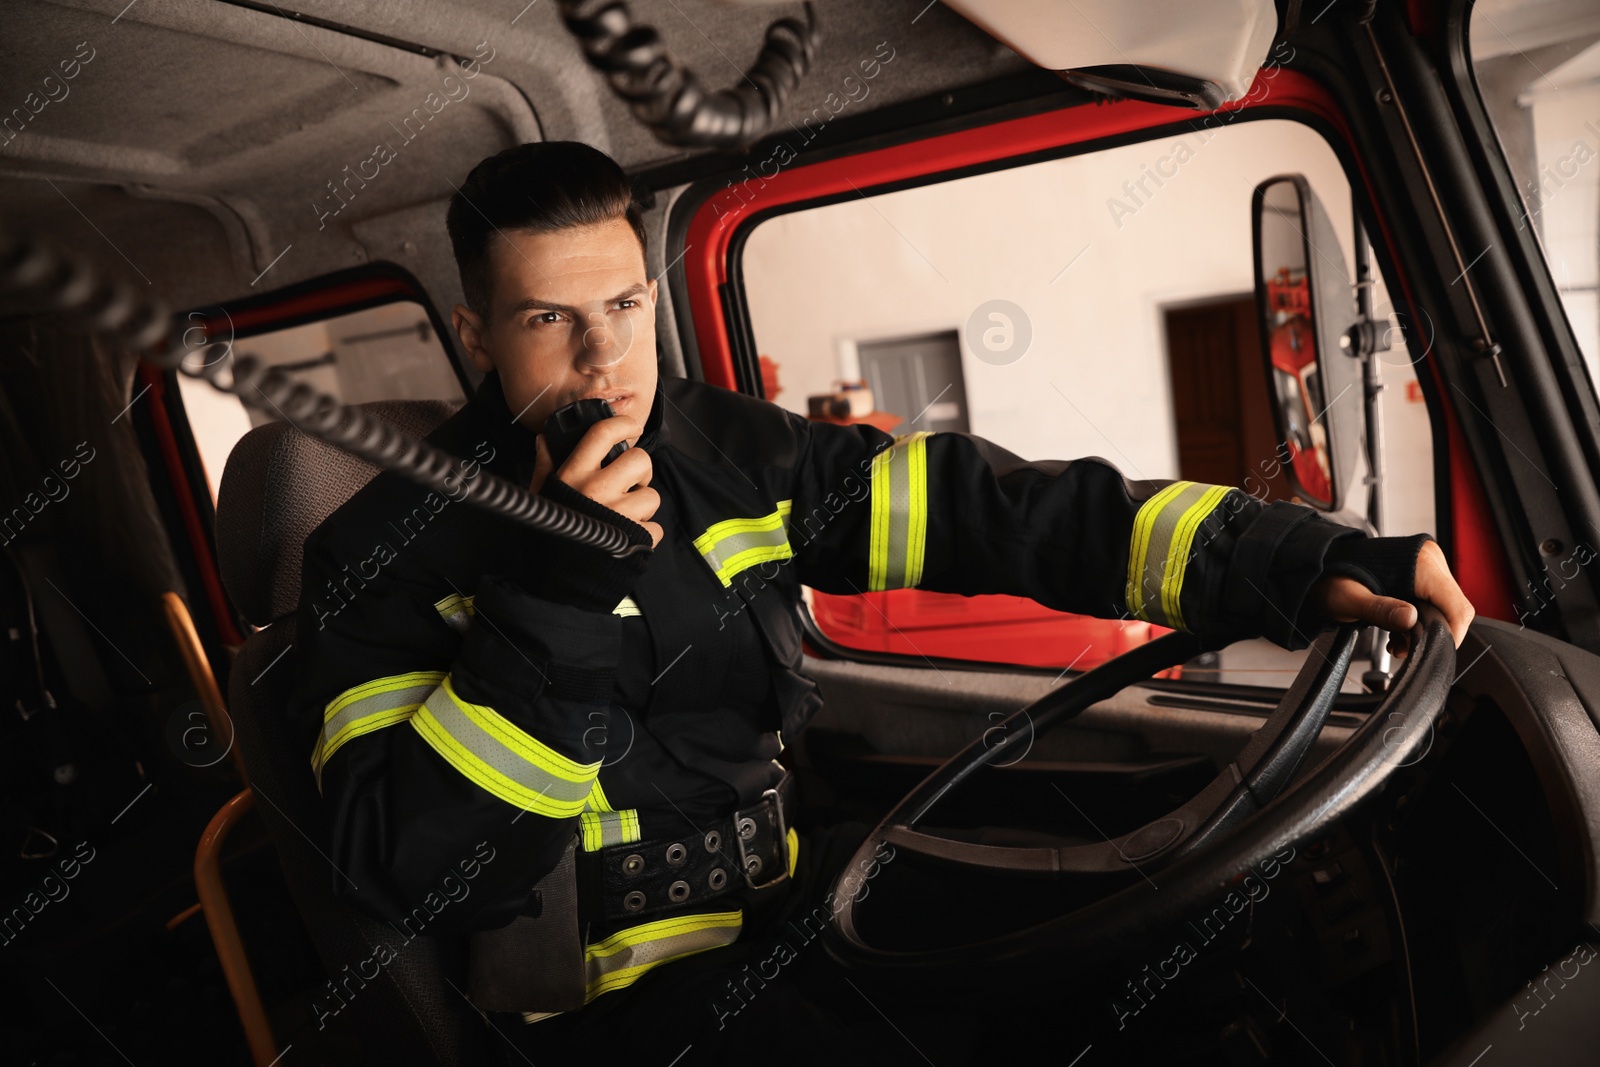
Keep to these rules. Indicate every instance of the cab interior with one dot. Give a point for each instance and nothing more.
(940, 231)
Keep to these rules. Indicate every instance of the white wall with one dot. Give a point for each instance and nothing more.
(1090, 258)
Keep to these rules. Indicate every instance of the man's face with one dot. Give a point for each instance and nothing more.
(571, 315)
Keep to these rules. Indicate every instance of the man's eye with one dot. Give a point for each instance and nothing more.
(546, 318)
(625, 304)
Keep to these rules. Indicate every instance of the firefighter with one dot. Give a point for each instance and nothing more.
(501, 720)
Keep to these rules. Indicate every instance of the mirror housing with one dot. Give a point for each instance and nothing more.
(1305, 303)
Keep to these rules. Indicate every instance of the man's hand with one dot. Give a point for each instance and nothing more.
(1347, 600)
(623, 485)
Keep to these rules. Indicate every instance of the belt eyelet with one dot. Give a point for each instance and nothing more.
(634, 901)
(717, 878)
(747, 827)
(713, 841)
(678, 891)
(752, 865)
(676, 854)
(633, 864)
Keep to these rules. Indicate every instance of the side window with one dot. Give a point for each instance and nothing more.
(389, 352)
(1095, 305)
(1538, 71)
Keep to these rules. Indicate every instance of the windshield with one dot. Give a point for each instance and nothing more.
(1101, 304)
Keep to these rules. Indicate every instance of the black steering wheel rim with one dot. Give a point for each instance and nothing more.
(1192, 877)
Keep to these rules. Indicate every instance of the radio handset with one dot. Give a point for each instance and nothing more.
(566, 426)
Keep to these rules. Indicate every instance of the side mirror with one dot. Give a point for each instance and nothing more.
(1305, 302)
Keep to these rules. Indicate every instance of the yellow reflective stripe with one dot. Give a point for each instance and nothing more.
(1159, 549)
(898, 528)
(748, 558)
(1138, 547)
(449, 605)
(456, 610)
(734, 545)
(794, 850)
(727, 527)
(368, 707)
(917, 514)
(627, 607)
(622, 958)
(500, 758)
(878, 531)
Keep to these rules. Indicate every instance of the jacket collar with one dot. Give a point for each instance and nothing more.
(519, 442)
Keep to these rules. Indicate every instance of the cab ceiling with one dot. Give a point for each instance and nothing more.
(198, 142)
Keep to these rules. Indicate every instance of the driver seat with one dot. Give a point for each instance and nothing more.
(279, 485)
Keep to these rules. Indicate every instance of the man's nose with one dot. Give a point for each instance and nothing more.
(602, 347)
(597, 335)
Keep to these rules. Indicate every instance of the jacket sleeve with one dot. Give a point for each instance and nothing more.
(452, 766)
(954, 513)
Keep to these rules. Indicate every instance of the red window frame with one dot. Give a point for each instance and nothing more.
(324, 297)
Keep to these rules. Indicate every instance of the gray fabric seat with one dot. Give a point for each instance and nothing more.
(278, 486)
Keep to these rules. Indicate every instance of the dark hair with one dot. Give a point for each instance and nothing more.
(535, 188)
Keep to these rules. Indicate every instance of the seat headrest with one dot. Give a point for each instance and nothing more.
(279, 485)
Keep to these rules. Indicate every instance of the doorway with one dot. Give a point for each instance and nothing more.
(1225, 430)
(919, 378)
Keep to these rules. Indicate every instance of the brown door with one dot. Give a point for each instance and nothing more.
(1219, 397)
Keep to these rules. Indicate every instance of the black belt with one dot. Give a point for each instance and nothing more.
(748, 849)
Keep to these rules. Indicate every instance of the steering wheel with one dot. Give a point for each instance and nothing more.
(1249, 814)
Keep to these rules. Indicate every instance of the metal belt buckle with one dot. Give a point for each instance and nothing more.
(783, 846)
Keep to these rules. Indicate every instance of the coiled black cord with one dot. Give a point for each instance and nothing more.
(32, 268)
(667, 97)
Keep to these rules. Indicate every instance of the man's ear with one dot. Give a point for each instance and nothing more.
(652, 292)
(470, 328)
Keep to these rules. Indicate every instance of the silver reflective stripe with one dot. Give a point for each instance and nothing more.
(1163, 539)
(733, 545)
(620, 959)
(456, 610)
(898, 534)
(391, 701)
(602, 829)
(1157, 547)
(347, 716)
(514, 766)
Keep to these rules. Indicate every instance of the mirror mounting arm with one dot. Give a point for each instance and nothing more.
(1364, 341)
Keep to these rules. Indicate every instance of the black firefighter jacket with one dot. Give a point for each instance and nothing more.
(461, 726)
